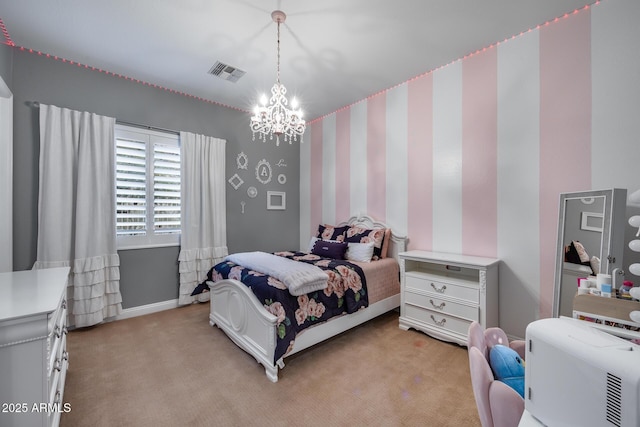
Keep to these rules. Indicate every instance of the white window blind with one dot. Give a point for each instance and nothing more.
(147, 188)
(166, 188)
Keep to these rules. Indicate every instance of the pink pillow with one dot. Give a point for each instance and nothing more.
(385, 243)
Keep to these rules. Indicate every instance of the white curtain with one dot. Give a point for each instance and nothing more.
(204, 219)
(76, 210)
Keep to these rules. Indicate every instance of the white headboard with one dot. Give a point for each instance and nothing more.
(396, 245)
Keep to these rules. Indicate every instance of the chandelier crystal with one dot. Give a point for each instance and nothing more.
(277, 118)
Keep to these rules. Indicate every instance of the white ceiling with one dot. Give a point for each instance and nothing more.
(333, 52)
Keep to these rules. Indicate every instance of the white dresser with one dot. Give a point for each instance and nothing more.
(441, 294)
(33, 356)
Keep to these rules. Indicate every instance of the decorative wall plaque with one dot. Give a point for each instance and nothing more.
(242, 161)
(276, 200)
(236, 181)
(264, 172)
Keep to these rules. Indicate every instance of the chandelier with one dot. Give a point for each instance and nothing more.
(276, 118)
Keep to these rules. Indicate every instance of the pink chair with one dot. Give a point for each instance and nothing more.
(498, 404)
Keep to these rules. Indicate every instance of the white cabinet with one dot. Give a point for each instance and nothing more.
(33, 354)
(441, 294)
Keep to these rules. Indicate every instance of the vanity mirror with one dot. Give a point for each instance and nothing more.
(596, 220)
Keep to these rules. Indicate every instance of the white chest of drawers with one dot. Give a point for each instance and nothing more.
(33, 356)
(441, 294)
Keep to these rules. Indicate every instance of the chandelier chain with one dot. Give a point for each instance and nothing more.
(278, 75)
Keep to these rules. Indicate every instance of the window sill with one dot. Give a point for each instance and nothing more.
(146, 246)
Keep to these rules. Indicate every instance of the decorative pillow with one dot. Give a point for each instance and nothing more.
(328, 249)
(366, 235)
(330, 232)
(385, 243)
(582, 252)
(508, 367)
(595, 265)
(572, 254)
(313, 241)
(361, 252)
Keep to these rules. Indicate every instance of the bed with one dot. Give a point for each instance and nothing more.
(258, 329)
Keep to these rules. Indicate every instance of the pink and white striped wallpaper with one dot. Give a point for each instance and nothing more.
(471, 158)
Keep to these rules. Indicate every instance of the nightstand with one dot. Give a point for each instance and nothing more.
(441, 294)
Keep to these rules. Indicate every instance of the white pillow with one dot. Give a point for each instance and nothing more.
(312, 244)
(595, 265)
(361, 252)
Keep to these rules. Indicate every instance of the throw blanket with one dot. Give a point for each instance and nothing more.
(300, 278)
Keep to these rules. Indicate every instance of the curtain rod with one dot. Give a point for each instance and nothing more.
(121, 122)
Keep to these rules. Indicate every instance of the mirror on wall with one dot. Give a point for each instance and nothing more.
(590, 241)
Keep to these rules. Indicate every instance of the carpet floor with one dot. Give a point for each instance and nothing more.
(173, 369)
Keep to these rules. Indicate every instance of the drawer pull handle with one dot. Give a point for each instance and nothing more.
(439, 323)
(65, 355)
(64, 303)
(57, 365)
(56, 331)
(65, 330)
(58, 397)
(441, 290)
(439, 307)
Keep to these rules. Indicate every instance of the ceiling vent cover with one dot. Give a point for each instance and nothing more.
(226, 72)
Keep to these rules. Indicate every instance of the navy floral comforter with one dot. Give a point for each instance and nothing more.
(346, 292)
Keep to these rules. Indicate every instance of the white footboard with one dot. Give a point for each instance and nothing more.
(238, 312)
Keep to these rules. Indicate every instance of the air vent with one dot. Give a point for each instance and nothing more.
(614, 400)
(226, 72)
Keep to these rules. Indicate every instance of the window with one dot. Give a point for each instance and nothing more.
(147, 188)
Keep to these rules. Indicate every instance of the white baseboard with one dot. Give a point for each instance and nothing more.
(147, 309)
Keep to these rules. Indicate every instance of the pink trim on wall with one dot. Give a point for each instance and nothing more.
(343, 164)
(419, 163)
(565, 131)
(480, 154)
(316, 177)
(376, 156)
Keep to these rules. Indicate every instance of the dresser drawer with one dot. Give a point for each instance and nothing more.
(56, 392)
(425, 283)
(442, 306)
(58, 366)
(57, 333)
(437, 320)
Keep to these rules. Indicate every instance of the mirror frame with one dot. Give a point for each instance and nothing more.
(612, 243)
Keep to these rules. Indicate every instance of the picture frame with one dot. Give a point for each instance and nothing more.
(276, 200)
(592, 221)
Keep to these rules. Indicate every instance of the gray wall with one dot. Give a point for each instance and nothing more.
(147, 275)
(6, 64)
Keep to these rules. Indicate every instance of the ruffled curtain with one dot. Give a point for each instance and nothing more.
(77, 210)
(203, 239)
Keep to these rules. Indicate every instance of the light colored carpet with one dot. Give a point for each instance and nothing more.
(173, 369)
